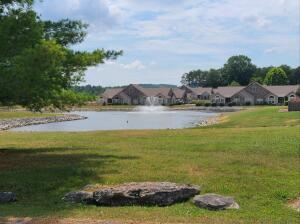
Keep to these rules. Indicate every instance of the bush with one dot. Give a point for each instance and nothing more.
(221, 104)
(286, 103)
(200, 103)
(176, 104)
(231, 104)
(248, 103)
(208, 104)
(213, 104)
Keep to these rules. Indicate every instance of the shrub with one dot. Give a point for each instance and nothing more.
(286, 103)
(200, 103)
(248, 103)
(231, 104)
(176, 104)
(221, 104)
(213, 104)
(207, 104)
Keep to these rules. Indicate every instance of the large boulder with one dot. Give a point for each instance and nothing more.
(6, 197)
(215, 202)
(145, 193)
(79, 197)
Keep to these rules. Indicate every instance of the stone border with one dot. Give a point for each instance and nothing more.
(6, 124)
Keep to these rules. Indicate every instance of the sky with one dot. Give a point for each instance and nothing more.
(163, 39)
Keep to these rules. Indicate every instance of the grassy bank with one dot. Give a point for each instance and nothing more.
(253, 156)
(22, 114)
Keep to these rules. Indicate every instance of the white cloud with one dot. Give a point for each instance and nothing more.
(184, 34)
(135, 65)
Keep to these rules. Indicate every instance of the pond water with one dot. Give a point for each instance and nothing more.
(122, 120)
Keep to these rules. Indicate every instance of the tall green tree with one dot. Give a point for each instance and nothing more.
(238, 68)
(37, 66)
(276, 76)
(295, 76)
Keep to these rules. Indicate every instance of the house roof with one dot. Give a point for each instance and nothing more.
(179, 93)
(110, 93)
(156, 91)
(201, 90)
(282, 91)
(153, 91)
(228, 91)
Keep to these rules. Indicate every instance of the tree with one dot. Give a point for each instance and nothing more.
(200, 78)
(238, 68)
(214, 78)
(234, 83)
(37, 67)
(295, 76)
(194, 78)
(276, 76)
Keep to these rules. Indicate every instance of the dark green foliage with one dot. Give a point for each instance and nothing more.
(91, 90)
(37, 69)
(238, 68)
(276, 76)
(211, 78)
(65, 32)
(237, 71)
(234, 83)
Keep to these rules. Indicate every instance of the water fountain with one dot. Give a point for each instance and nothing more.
(152, 105)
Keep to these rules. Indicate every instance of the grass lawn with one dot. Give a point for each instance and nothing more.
(22, 114)
(252, 156)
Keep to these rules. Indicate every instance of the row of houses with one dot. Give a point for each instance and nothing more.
(252, 94)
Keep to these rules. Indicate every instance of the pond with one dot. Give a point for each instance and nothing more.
(123, 120)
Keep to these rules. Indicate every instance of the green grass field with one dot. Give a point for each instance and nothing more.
(252, 156)
(22, 114)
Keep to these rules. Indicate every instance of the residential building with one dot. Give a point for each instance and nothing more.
(252, 94)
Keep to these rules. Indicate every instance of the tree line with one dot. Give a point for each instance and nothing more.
(239, 70)
(38, 67)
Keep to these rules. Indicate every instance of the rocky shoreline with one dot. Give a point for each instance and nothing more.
(7, 124)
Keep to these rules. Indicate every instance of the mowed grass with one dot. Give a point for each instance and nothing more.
(22, 114)
(244, 157)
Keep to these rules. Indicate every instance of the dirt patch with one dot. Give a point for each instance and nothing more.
(295, 204)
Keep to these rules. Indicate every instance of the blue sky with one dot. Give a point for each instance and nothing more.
(162, 39)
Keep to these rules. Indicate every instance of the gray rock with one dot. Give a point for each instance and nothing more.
(6, 197)
(6, 124)
(79, 197)
(145, 193)
(215, 202)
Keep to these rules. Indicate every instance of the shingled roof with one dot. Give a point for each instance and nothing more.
(228, 91)
(201, 90)
(179, 93)
(110, 93)
(282, 91)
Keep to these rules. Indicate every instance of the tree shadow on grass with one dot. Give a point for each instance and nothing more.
(41, 176)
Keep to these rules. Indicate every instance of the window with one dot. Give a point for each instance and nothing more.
(259, 101)
(291, 97)
(271, 100)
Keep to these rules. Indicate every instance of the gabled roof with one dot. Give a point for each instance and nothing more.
(228, 91)
(201, 90)
(179, 93)
(164, 91)
(110, 93)
(282, 91)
